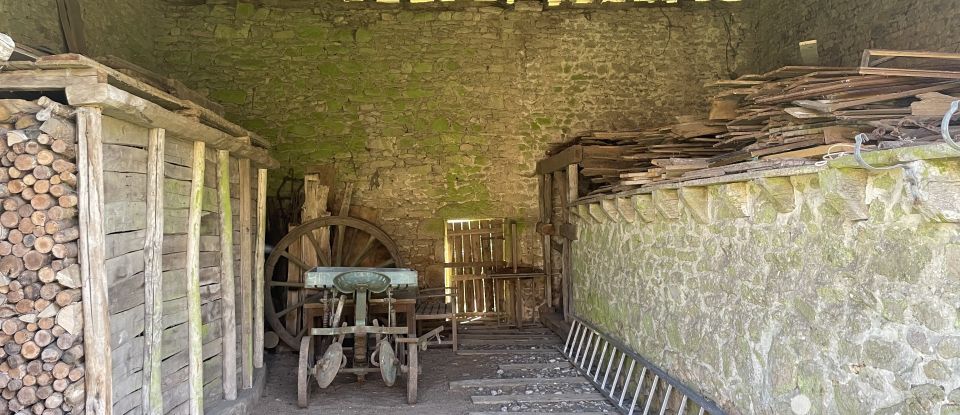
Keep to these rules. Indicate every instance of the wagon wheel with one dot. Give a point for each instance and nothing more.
(352, 243)
(304, 371)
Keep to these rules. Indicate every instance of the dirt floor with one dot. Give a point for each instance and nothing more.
(440, 366)
(346, 396)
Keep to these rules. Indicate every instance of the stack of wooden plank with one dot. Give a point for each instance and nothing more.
(787, 117)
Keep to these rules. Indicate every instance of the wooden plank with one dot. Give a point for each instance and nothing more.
(194, 322)
(546, 197)
(566, 397)
(569, 156)
(47, 80)
(246, 277)
(151, 395)
(503, 351)
(96, 319)
(127, 107)
(514, 382)
(563, 364)
(258, 268)
(227, 295)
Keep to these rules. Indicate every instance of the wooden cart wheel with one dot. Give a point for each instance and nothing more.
(304, 370)
(413, 372)
(352, 243)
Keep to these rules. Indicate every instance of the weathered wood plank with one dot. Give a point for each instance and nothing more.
(562, 364)
(246, 277)
(566, 397)
(124, 106)
(571, 155)
(500, 351)
(194, 322)
(227, 294)
(96, 325)
(510, 383)
(258, 268)
(121, 132)
(152, 394)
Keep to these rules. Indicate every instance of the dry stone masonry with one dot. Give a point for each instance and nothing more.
(435, 112)
(814, 290)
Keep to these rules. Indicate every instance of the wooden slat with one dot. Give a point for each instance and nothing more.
(535, 366)
(566, 397)
(258, 268)
(228, 297)
(96, 319)
(192, 266)
(514, 382)
(571, 155)
(151, 392)
(246, 277)
(127, 107)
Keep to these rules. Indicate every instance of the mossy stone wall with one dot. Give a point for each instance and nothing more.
(826, 292)
(441, 113)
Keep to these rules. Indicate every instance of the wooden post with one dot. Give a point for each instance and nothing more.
(246, 276)
(567, 188)
(227, 295)
(153, 277)
(96, 306)
(573, 182)
(546, 217)
(194, 323)
(258, 272)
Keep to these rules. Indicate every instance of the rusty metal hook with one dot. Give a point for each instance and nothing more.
(945, 125)
(859, 139)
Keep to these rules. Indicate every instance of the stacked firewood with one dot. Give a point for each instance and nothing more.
(41, 317)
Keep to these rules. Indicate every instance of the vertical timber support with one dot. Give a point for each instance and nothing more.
(194, 323)
(228, 301)
(546, 217)
(258, 268)
(568, 193)
(96, 305)
(246, 276)
(153, 277)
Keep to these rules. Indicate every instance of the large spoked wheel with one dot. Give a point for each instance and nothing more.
(332, 241)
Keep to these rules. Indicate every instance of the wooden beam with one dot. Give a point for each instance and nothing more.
(546, 217)
(258, 268)
(571, 155)
(151, 395)
(566, 397)
(228, 304)
(47, 80)
(194, 322)
(98, 371)
(246, 276)
(573, 183)
(125, 106)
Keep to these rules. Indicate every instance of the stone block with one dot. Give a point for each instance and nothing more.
(598, 213)
(644, 206)
(696, 200)
(528, 6)
(730, 201)
(609, 207)
(779, 191)
(667, 203)
(845, 191)
(625, 209)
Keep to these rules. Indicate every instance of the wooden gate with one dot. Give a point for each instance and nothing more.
(474, 247)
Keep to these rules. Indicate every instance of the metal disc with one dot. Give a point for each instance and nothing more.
(303, 371)
(388, 362)
(329, 365)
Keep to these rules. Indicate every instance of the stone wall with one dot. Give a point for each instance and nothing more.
(440, 113)
(124, 28)
(843, 29)
(829, 290)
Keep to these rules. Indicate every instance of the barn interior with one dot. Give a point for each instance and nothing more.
(479, 206)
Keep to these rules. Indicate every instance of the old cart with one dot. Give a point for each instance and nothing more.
(391, 340)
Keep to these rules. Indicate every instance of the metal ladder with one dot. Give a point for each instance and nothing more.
(581, 347)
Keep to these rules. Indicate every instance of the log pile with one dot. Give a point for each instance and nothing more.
(41, 317)
(784, 118)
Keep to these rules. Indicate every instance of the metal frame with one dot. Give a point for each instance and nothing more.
(584, 335)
